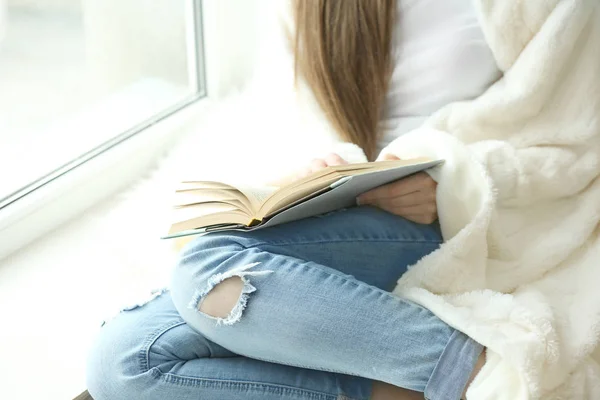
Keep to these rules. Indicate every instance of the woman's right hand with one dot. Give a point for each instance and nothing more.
(317, 164)
(314, 166)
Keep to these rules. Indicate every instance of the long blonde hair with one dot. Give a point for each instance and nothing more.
(342, 49)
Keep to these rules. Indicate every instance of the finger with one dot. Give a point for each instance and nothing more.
(317, 164)
(402, 187)
(390, 157)
(390, 205)
(425, 219)
(418, 182)
(304, 172)
(382, 204)
(423, 213)
(414, 199)
(334, 159)
(391, 190)
(388, 191)
(421, 209)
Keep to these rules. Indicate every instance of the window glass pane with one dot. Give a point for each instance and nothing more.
(77, 73)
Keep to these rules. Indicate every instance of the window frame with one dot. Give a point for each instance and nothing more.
(69, 190)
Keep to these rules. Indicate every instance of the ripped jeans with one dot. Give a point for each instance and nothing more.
(315, 320)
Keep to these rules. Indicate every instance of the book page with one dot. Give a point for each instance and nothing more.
(199, 210)
(228, 218)
(203, 196)
(257, 194)
(194, 185)
(234, 203)
(286, 196)
(198, 196)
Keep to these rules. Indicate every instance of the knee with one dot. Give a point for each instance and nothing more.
(221, 301)
(214, 279)
(220, 297)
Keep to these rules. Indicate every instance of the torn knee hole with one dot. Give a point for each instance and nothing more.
(221, 300)
(225, 295)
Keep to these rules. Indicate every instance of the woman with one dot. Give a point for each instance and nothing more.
(304, 310)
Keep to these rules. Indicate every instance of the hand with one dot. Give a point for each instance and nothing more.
(319, 163)
(314, 166)
(413, 198)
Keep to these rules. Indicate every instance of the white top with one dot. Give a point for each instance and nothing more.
(441, 56)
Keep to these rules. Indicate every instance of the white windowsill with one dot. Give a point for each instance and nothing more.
(55, 292)
(69, 195)
(54, 295)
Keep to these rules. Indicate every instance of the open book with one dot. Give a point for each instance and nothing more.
(203, 206)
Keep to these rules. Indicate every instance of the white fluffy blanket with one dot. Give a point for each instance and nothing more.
(519, 205)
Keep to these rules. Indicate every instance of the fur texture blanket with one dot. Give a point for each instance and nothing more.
(519, 205)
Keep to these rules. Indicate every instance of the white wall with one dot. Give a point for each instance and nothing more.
(232, 30)
(46, 4)
(2, 20)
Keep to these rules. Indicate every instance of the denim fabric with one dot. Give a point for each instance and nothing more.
(315, 320)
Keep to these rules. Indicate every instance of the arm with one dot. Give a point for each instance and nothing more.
(534, 136)
(536, 173)
(520, 175)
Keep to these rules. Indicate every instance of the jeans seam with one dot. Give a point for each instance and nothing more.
(144, 354)
(245, 385)
(156, 334)
(354, 240)
(301, 366)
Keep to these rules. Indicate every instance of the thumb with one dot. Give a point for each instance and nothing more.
(390, 157)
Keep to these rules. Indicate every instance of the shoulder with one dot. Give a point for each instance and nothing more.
(510, 25)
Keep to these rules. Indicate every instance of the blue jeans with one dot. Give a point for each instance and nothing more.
(315, 320)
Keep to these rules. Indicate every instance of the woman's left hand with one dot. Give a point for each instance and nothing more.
(413, 198)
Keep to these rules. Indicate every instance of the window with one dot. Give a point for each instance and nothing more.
(78, 77)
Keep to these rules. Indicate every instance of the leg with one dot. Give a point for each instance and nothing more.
(221, 300)
(320, 300)
(149, 353)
